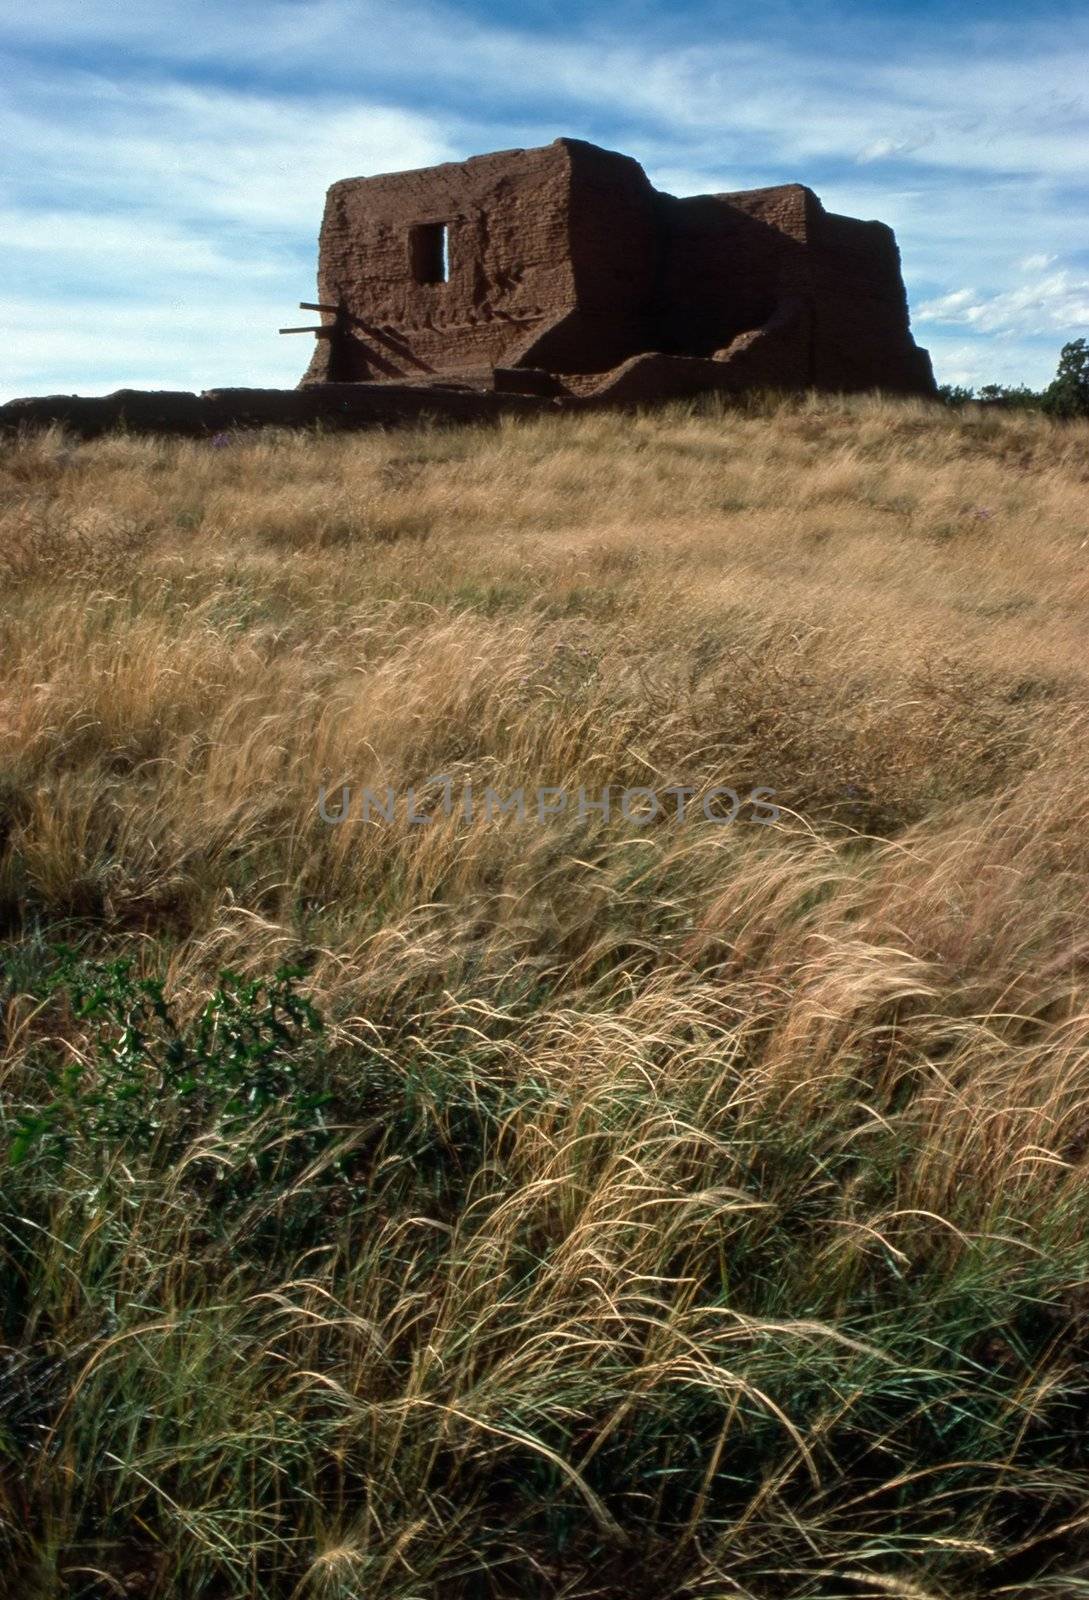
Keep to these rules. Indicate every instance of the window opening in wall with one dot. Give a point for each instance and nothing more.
(430, 252)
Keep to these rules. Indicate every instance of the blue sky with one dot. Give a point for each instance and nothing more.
(167, 162)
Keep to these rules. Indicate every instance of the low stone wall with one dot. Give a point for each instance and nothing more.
(758, 360)
(334, 405)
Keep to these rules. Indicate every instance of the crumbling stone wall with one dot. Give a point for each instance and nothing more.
(565, 259)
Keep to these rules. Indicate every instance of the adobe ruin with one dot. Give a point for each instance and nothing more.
(555, 279)
(561, 271)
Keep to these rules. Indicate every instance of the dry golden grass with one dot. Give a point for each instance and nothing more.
(703, 1208)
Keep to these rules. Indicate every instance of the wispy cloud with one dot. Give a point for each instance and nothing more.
(178, 232)
(883, 149)
(1054, 303)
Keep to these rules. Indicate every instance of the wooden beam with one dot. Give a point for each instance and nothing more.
(326, 328)
(309, 305)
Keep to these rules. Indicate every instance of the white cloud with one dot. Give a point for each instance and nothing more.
(976, 362)
(948, 308)
(197, 210)
(178, 344)
(94, 243)
(245, 158)
(882, 149)
(1055, 304)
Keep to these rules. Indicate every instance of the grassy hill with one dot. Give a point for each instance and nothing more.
(494, 1207)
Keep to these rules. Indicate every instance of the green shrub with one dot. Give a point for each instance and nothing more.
(955, 394)
(152, 1082)
(1068, 394)
(1010, 397)
(1013, 397)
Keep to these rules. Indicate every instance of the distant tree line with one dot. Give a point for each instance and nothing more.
(1067, 395)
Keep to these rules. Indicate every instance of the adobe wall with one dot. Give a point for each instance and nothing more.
(728, 261)
(510, 269)
(553, 256)
(862, 336)
(511, 274)
(566, 259)
(615, 247)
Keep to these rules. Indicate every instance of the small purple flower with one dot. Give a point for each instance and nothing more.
(220, 441)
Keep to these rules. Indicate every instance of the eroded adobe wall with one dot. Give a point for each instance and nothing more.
(729, 260)
(738, 263)
(510, 267)
(565, 259)
(615, 247)
(862, 330)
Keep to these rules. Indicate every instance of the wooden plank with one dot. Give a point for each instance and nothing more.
(310, 305)
(325, 328)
